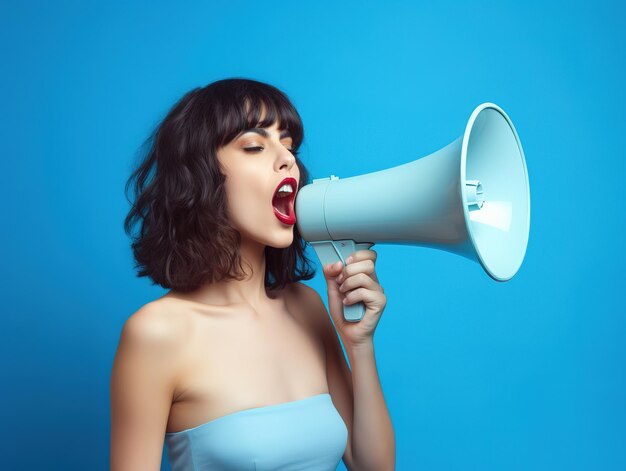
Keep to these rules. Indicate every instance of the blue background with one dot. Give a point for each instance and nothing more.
(530, 374)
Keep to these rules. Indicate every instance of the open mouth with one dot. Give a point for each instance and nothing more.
(283, 200)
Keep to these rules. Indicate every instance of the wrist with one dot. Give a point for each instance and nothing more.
(359, 348)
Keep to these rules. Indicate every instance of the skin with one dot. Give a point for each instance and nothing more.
(186, 359)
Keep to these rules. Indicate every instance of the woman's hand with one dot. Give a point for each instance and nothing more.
(355, 282)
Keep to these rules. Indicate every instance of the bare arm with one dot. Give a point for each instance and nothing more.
(374, 442)
(142, 390)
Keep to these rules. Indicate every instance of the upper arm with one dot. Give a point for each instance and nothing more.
(142, 388)
(338, 373)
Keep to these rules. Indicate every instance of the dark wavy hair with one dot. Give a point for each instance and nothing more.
(184, 238)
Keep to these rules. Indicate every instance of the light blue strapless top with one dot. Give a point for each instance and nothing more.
(307, 434)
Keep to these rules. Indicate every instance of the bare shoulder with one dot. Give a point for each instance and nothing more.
(155, 325)
(143, 384)
(312, 303)
(152, 344)
(304, 293)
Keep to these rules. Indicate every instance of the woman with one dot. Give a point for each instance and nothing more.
(238, 366)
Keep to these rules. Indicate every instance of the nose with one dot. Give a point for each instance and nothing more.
(285, 159)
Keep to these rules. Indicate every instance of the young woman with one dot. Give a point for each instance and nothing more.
(238, 366)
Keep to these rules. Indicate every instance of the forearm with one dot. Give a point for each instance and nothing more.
(373, 442)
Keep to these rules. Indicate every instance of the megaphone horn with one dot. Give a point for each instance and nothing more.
(471, 198)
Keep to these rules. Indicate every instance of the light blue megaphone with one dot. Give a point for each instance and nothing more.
(471, 198)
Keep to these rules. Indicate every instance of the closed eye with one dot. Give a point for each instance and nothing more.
(260, 148)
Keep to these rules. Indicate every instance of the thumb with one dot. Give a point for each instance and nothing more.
(332, 270)
(335, 297)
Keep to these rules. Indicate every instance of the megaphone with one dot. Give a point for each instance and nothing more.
(470, 198)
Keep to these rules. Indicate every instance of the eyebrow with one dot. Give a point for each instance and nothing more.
(264, 133)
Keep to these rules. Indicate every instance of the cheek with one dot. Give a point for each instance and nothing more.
(236, 196)
(245, 199)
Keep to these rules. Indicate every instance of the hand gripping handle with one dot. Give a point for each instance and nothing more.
(333, 251)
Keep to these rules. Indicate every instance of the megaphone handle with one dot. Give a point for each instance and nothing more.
(333, 251)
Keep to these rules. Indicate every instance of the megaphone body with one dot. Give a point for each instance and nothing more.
(471, 198)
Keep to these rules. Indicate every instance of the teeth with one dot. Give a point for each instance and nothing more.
(286, 187)
(284, 190)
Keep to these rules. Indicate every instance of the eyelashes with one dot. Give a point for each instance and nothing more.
(251, 150)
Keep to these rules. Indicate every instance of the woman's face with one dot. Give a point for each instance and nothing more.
(255, 163)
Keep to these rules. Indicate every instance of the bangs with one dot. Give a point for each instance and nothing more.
(256, 107)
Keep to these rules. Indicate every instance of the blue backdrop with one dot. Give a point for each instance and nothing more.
(478, 375)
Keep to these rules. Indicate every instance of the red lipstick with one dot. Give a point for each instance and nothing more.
(284, 206)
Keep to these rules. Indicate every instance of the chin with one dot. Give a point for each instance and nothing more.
(281, 243)
(273, 236)
(276, 241)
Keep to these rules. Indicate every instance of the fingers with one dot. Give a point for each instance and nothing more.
(360, 273)
(354, 282)
(360, 280)
(365, 296)
(360, 255)
(361, 261)
(364, 266)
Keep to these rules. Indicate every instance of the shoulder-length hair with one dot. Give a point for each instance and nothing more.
(184, 238)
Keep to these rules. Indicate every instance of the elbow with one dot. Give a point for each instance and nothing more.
(385, 465)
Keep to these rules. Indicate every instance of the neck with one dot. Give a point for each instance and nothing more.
(250, 290)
